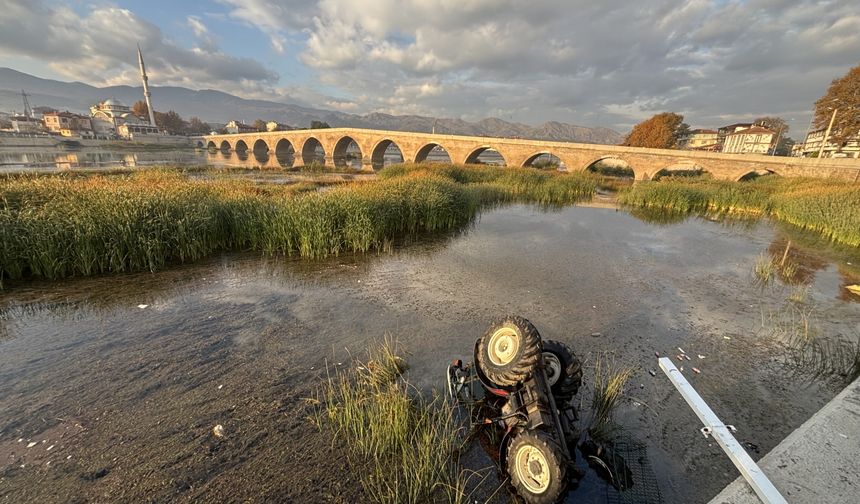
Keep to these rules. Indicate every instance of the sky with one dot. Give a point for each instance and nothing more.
(595, 63)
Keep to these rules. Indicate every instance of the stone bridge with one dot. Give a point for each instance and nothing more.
(369, 146)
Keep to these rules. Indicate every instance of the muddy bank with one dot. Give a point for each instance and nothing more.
(132, 394)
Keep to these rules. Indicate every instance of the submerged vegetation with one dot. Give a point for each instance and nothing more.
(403, 447)
(828, 207)
(61, 226)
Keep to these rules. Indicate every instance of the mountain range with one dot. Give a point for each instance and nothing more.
(217, 107)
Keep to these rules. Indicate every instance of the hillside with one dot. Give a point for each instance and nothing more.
(219, 107)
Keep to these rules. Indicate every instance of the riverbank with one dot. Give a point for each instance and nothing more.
(828, 207)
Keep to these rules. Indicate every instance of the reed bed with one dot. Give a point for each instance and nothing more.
(828, 207)
(404, 446)
(610, 377)
(62, 226)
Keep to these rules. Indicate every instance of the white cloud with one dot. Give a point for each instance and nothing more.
(610, 62)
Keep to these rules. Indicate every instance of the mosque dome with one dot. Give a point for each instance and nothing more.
(113, 102)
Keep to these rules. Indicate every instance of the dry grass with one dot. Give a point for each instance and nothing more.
(610, 377)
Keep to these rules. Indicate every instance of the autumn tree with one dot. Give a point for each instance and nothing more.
(843, 95)
(775, 124)
(171, 122)
(662, 131)
(140, 109)
(197, 127)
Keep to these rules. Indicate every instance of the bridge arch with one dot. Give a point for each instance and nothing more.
(313, 152)
(472, 158)
(285, 153)
(211, 145)
(683, 168)
(261, 151)
(611, 165)
(240, 146)
(544, 160)
(200, 144)
(225, 146)
(754, 174)
(436, 150)
(377, 157)
(346, 151)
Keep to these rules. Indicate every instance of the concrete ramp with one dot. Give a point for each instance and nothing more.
(817, 463)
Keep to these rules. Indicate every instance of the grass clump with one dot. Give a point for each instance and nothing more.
(829, 207)
(609, 381)
(403, 447)
(59, 226)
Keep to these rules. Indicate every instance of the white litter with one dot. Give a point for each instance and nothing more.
(142, 306)
(32, 444)
(701, 356)
(20, 440)
(69, 457)
(220, 387)
(50, 448)
(218, 431)
(681, 350)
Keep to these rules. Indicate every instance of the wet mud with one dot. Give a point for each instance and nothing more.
(124, 377)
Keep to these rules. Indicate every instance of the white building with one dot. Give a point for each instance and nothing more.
(753, 140)
(700, 139)
(812, 145)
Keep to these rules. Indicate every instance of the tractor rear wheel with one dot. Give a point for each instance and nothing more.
(537, 467)
(509, 351)
(563, 371)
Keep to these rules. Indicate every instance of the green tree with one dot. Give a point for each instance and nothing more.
(661, 131)
(843, 96)
(259, 125)
(319, 124)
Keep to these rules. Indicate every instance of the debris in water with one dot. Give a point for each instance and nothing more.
(652, 372)
(657, 354)
(69, 457)
(595, 335)
(696, 370)
(220, 386)
(854, 288)
(687, 357)
(701, 356)
(20, 440)
(32, 444)
(50, 448)
(218, 431)
(727, 337)
(681, 369)
(679, 357)
(142, 306)
(681, 350)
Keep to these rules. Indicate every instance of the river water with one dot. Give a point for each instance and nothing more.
(125, 376)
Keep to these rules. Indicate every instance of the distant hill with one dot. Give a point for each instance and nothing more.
(219, 107)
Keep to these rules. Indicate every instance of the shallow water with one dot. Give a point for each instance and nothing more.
(144, 381)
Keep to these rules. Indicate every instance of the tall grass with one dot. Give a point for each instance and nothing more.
(610, 378)
(404, 448)
(61, 226)
(829, 207)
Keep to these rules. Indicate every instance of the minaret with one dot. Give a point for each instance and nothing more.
(146, 93)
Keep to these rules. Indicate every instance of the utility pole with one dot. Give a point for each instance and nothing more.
(827, 133)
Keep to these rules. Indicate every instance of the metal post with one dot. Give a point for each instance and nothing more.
(759, 482)
(827, 133)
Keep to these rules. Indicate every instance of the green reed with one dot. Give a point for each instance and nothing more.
(62, 226)
(829, 207)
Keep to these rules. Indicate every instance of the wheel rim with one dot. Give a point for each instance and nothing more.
(503, 346)
(532, 469)
(552, 366)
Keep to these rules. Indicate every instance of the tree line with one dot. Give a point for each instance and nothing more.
(841, 104)
(171, 121)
